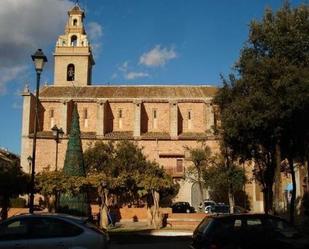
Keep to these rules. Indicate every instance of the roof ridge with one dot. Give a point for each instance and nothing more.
(115, 85)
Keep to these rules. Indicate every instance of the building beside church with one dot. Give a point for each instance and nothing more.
(161, 119)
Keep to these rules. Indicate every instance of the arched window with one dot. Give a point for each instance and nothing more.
(70, 72)
(74, 22)
(74, 40)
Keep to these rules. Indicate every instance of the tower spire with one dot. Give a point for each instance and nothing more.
(73, 55)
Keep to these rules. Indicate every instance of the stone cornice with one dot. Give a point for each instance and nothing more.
(129, 100)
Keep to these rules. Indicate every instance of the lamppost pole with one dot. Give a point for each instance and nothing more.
(39, 60)
(56, 163)
(57, 133)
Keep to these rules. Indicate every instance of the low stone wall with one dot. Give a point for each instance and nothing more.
(187, 221)
(129, 214)
(16, 211)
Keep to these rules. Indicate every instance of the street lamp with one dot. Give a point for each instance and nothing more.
(57, 133)
(39, 60)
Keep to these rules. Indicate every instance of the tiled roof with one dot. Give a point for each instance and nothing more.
(185, 91)
(7, 157)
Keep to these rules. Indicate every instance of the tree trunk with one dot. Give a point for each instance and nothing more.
(292, 204)
(269, 182)
(268, 198)
(5, 207)
(103, 210)
(149, 209)
(200, 185)
(231, 199)
(156, 220)
(307, 171)
(265, 199)
(277, 178)
(51, 204)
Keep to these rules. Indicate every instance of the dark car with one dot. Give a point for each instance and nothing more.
(182, 207)
(220, 209)
(247, 231)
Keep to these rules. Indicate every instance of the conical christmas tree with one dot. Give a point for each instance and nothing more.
(70, 203)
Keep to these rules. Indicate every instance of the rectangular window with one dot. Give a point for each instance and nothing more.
(155, 121)
(189, 119)
(85, 113)
(51, 113)
(120, 115)
(51, 116)
(179, 165)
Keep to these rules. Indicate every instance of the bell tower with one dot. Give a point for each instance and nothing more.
(73, 55)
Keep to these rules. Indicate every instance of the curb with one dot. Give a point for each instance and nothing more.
(167, 233)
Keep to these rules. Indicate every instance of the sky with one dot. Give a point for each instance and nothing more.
(134, 42)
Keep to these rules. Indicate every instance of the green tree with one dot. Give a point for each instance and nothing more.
(225, 178)
(13, 181)
(200, 158)
(52, 183)
(154, 182)
(263, 108)
(122, 170)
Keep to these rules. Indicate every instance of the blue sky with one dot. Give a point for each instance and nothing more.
(135, 42)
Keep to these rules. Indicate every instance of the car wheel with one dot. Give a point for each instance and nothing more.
(188, 211)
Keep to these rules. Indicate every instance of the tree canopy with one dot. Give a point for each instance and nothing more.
(265, 104)
(13, 181)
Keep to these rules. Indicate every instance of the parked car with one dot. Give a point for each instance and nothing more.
(207, 205)
(220, 208)
(247, 231)
(182, 207)
(51, 231)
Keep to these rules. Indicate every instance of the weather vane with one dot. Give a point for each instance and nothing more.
(76, 2)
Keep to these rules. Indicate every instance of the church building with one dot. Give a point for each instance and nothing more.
(162, 119)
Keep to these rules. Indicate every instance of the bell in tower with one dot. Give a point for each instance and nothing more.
(73, 55)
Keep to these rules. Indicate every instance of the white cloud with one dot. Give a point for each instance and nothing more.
(8, 74)
(124, 67)
(114, 76)
(95, 32)
(131, 75)
(135, 75)
(157, 56)
(25, 26)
